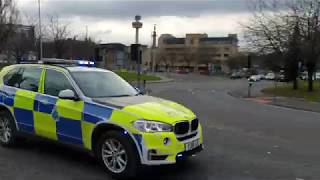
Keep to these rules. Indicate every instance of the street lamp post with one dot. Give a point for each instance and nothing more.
(137, 25)
(40, 31)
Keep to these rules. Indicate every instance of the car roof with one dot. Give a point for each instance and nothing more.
(70, 68)
(85, 69)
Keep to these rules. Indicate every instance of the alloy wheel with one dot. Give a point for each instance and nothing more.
(5, 130)
(114, 155)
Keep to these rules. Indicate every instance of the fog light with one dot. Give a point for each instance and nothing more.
(166, 141)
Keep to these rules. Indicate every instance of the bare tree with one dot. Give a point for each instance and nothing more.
(58, 33)
(267, 30)
(205, 55)
(172, 58)
(8, 17)
(292, 56)
(308, 12)
(190, 55)
(281, 27)
(237, 61)
(21, 44)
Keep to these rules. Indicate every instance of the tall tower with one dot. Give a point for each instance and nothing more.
(153, 48)
(154, 37)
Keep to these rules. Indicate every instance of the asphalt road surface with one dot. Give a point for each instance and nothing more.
(243, 140)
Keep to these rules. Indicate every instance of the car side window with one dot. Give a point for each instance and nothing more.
(25, 78)
(55, 82)
(13, 78)
(30, 78)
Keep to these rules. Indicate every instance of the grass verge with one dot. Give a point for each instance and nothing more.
(287, 90)
(132, 76)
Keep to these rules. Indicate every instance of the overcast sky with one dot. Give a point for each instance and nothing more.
(110, 21)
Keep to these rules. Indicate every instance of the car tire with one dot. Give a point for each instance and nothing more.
(8, 129)
(115, 147)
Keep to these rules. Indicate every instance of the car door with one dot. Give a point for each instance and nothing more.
(64, 123)
(27, 84)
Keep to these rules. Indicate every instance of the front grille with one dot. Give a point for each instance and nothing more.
(194, 124)
(187, 137)
(181, 128)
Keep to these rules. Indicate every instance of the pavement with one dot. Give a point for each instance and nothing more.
(243, 139)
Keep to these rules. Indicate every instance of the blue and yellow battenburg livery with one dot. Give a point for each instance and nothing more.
(80, 122)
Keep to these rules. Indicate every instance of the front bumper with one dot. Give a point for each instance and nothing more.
(155, 152)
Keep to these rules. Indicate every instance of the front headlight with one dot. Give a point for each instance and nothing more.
(152, 126)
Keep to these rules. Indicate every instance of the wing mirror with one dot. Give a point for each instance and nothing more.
(139, 91)
(68, 94)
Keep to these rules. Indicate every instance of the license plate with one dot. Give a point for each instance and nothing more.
(192, 145)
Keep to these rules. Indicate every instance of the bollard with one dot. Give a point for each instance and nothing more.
(249, 88)
(275, 91)
(144, 86)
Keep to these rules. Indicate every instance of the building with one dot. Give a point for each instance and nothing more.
(196, 52)
(20, 46)
(115, 56)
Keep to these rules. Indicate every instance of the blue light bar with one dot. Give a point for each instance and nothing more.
(86, 63)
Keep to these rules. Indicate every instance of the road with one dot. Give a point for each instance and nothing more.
(244, 140)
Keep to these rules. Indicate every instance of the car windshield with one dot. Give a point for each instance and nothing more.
(98, 84)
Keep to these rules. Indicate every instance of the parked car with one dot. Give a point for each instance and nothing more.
(317, 76)
(236, 75)
(254, 78)
(270, 76)
(281, 78)
(181, 71)
(261, 76)
(304, 75)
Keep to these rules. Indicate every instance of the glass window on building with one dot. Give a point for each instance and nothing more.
(120, 56)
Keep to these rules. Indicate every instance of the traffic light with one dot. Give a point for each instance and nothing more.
(136, 53)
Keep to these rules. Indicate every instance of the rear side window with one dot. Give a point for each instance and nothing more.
(30, 78)
(13, 78)
(55, 82)
(25, 78)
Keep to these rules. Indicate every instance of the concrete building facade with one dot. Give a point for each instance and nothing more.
(116, 56)
(196, 52)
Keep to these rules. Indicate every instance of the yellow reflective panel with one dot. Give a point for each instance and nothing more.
(87, 129)
(168, 112)
(45, 125)
(123, 119)
(42, 78)
(70, 109)
(24, 99)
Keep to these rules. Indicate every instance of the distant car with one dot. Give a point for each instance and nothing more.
(254, 78)
(236, 75)
(317, 76)
(270, 76)
(304, 76)
(281, 78)
(262, 76)
(181, 71)
(204, 72)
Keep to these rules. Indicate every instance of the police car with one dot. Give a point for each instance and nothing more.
(95, 109)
